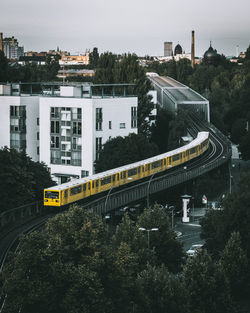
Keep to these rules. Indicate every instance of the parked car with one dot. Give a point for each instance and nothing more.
(193, 249)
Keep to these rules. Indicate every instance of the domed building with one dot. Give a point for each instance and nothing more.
(210, 54)
(178, 49)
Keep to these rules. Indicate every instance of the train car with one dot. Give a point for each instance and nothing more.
(75, 190)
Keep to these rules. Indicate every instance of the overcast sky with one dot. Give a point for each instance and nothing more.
(119, 26)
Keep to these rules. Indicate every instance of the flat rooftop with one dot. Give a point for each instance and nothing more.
(75, 90)
(177, 90)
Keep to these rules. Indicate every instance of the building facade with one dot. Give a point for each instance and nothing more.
(11, 48)
(168, 49)
(66, 131)
(74, 59)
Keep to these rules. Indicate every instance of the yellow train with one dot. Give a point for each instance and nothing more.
(79, 189)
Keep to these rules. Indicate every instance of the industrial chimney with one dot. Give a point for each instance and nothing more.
(1, 41)
(192, 50)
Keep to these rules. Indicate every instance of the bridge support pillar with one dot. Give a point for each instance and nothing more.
(185, 201)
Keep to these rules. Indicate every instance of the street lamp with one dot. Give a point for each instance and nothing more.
(148, 231)
(106, 200)
(171, 208)
(148, 189)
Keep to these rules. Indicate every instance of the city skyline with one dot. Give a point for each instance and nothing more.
(137, 27)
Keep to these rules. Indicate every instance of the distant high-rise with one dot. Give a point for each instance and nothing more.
(192, 50)
(11, 48)
(168, 49)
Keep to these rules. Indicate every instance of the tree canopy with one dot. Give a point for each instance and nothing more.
(113, 69)
(120, 151)
(21, 179)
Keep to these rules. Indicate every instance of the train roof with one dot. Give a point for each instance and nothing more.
(200, 138)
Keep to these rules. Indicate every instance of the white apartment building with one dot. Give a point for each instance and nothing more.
(65, 127)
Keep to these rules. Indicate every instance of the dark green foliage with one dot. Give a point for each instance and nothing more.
(93, 58)
(120, 151)
(29, 72)
(207, 285)
(112, 69)
(21, 180)
(168, 251)
(160, 131)
(3, 67)
(70, 266)
(158, 292)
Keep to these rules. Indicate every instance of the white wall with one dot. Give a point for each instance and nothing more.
(32, 113)
(5, 103)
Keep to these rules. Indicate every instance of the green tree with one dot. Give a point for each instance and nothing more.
(167, 249)
(207, 286)
(157, 291)
(93, 58)
(21, 179)
(3, 67)
(112, 69)
(235, 265)
(120, 151)
(160, 130)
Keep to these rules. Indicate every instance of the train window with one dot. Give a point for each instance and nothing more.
(93, 184)
(118, 176)
(149, 167)
(170, 160)
(192, 150)
(75, 190)
(65, 193)
(156, 164)
(123, 175)
(186, 153)
(132, 172)
(89, 185)
(84, 187)
(142, 168)
(164, 161)
(139, 170)
(113, 178)
(176, 157)
(52, 194)
(97, 183)
(106, 180)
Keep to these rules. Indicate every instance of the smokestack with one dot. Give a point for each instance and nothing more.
(1, 41)
(192, 50)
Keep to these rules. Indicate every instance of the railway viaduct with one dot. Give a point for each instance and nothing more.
(170, 95)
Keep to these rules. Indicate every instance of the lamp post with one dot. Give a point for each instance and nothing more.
(148, 231)
(106, 200)
(148, 189)
(171, 208)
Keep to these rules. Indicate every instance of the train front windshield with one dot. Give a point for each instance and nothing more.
(51, 194)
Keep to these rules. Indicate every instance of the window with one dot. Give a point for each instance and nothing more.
(52, 194)
(122, 125)
(98, 146)
(132, 172)
(156, 164)
(106, 180)
(77, 128)
(176, 157)
(37, 150)
(75, 190)
(37, 135)
(192, 150)
(54, 142)
(99, 118)
(84, 173)
(54, 112)
(133, 117)
(54, 127)
(37, 121)
(110, 124)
